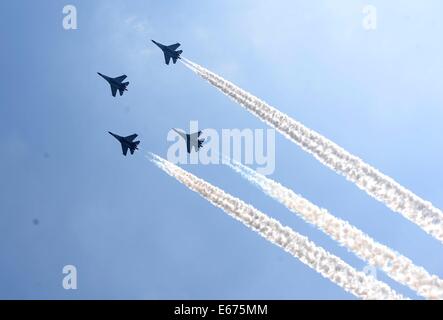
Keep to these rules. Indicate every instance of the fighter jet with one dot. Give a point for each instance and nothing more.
(170, 51)
(127, 142)
(116, 84)
(192, 140)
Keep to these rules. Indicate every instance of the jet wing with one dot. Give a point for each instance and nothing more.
(121, 78)
(167, 58)
(114, 91)
(131, 137)
(174, 47)
(124, 150)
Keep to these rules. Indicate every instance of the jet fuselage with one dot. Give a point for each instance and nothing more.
(127, 142)
(169, 51)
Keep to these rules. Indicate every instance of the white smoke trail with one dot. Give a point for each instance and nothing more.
(367, 178)
(398, 267)
(328, 265)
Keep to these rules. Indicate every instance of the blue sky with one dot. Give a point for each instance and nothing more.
(133, 232)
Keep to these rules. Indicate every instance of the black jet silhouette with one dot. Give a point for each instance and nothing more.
(192, 140)
(127, 142)
(116, 84)
(170, 51)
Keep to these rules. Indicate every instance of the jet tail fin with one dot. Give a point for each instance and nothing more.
(200, 143)
(179, 52)
(135, 147)
(124, 88)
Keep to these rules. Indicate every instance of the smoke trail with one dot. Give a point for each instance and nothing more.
(367, 178)
(328, 265)
(398, 267)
